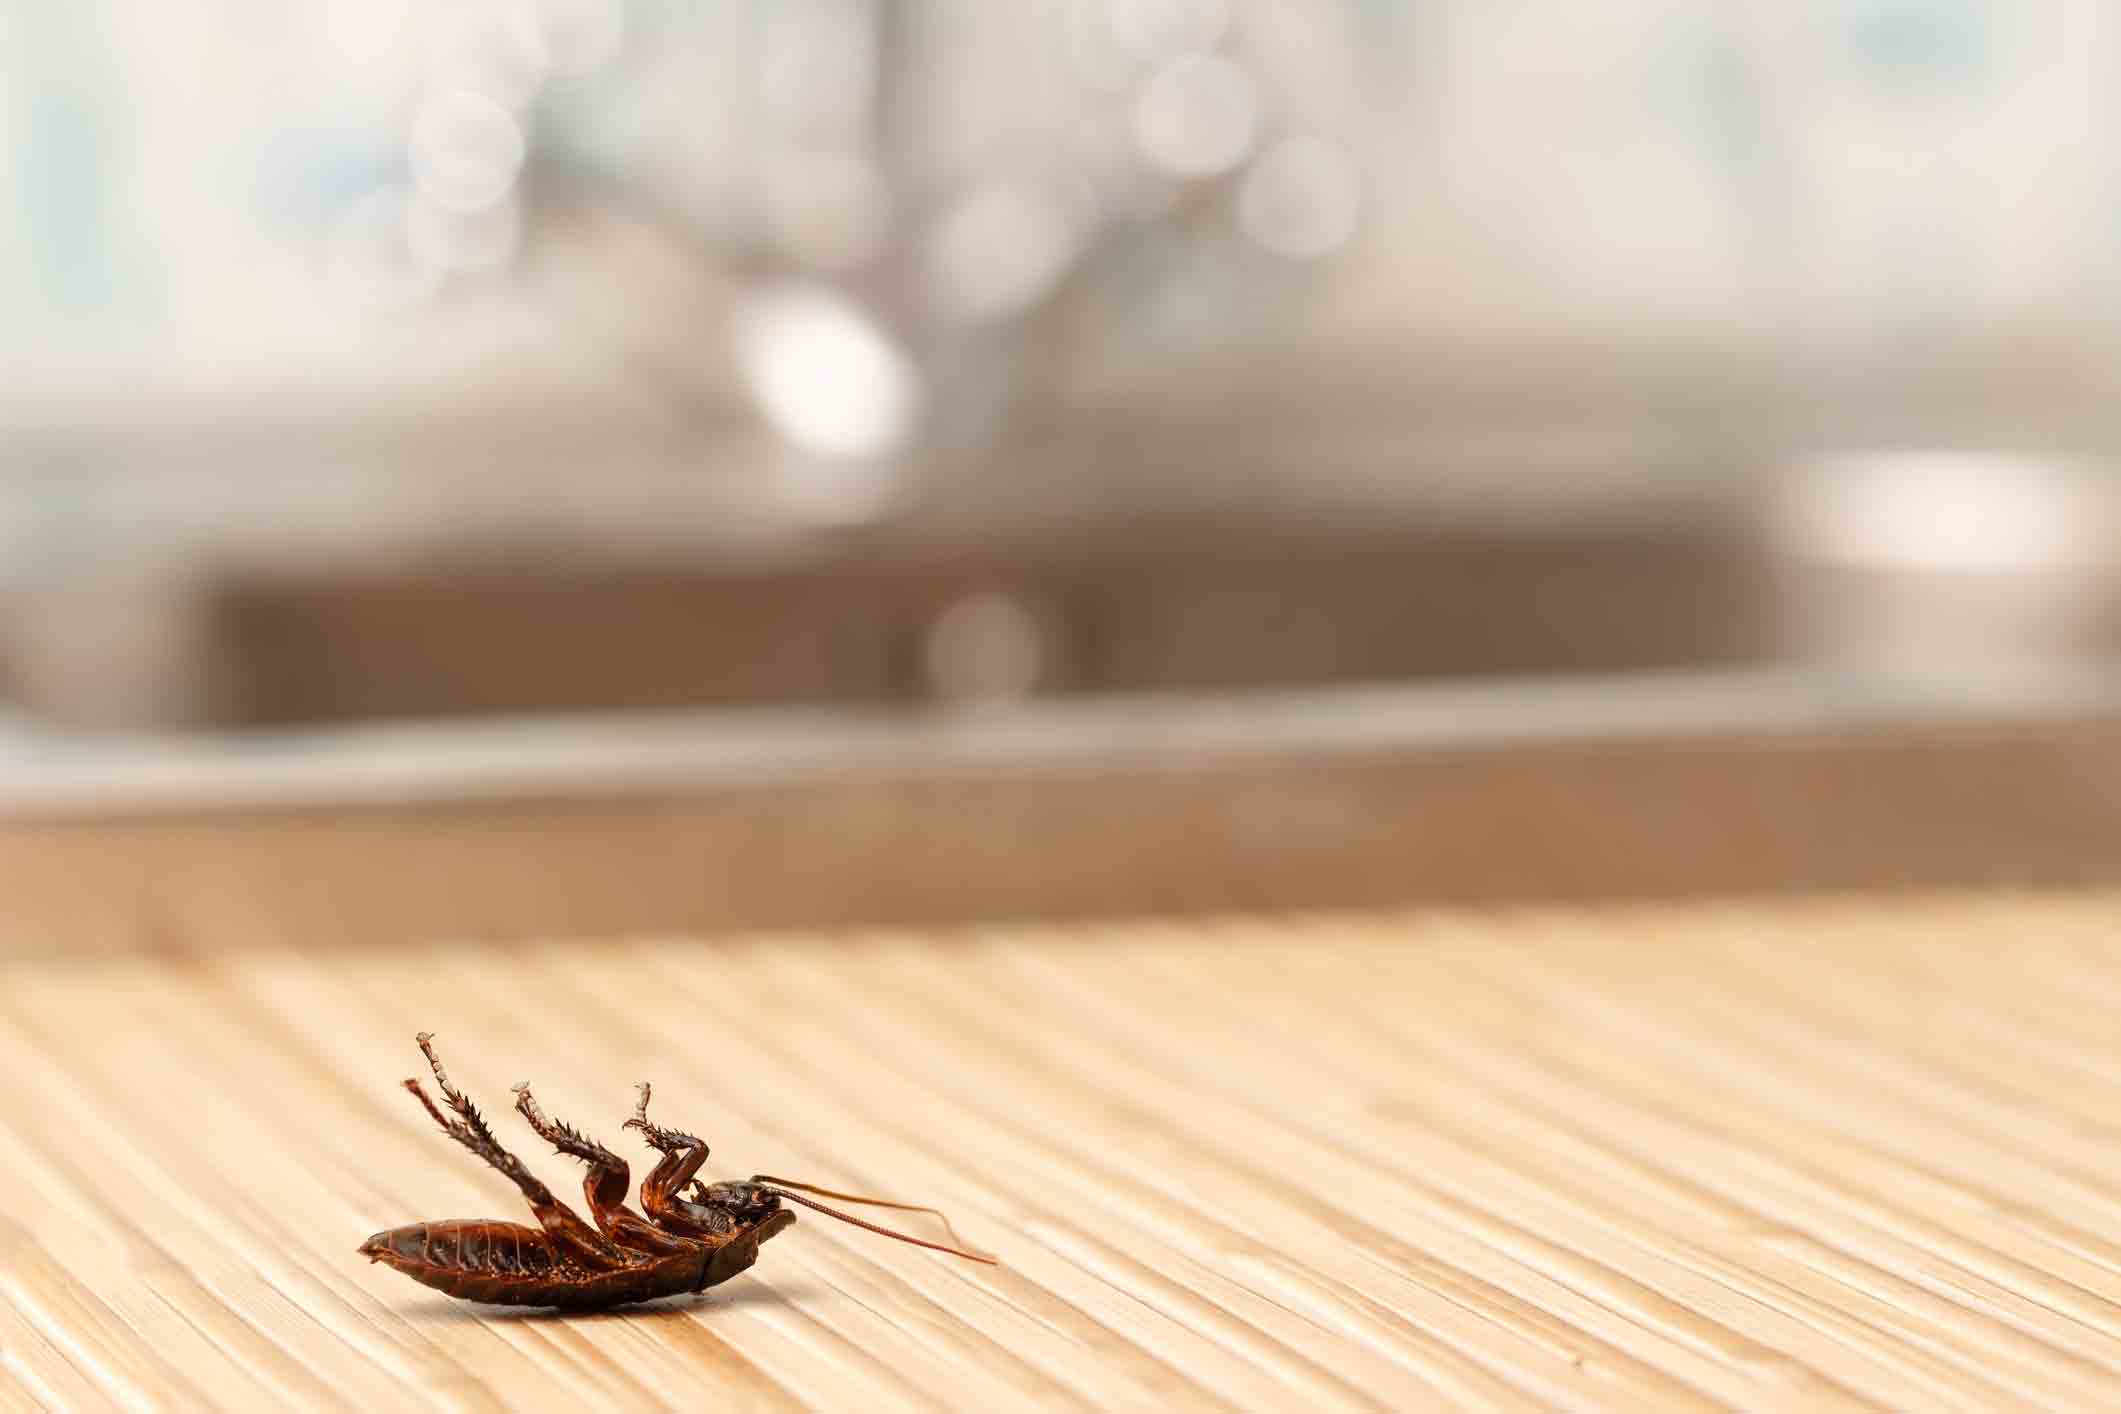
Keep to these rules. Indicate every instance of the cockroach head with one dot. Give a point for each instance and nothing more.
(746, 1202)
(757, 1208)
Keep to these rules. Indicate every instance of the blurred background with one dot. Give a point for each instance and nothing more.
(483, 471)
(368, 360)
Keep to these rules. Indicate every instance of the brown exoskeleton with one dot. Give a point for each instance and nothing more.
(688, 1242)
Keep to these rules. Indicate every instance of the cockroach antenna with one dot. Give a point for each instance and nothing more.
(935, 1213)
(785, 1188)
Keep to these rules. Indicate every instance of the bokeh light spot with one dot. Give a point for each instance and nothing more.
(825, 375)
(1197, 116)
(466, 150)
(1299, 200)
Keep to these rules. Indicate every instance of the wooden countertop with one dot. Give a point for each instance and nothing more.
(1788, 1155)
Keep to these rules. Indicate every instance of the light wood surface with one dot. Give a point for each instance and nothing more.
(1788, 1156)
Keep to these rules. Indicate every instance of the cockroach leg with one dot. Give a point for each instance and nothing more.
(682, 1156)
(609, 1180)
(666, 1141)
(606, 1184)
(562, 1224)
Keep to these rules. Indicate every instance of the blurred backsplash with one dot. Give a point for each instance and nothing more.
(404, 194)
(203, 189)
(1364, 333)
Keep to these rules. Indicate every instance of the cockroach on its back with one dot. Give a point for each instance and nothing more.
(689, 1240)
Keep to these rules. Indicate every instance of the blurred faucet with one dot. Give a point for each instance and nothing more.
(932, 210)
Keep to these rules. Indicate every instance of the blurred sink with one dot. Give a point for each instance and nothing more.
(877, 619)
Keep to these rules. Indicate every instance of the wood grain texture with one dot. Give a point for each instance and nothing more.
(1833, 1154)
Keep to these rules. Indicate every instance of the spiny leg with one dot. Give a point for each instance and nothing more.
(605, 1185)
(572, 1237)
(679, 1149)
(608, 1181)
(682, 1156)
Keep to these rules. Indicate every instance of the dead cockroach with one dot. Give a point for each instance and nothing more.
(689, 1241)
